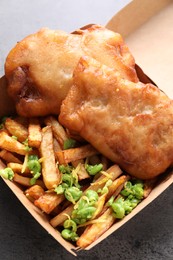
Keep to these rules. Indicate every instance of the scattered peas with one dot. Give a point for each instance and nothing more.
(69, 235)
(94, 169)
(105, 188)
(27, 148)
(69, 143)
(69, 231)
(65, 168)
(7, 173)
(85, 208)
(69, 186)
(132, 194)
(35, 167)
(73, 194)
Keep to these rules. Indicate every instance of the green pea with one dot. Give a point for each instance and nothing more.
(81, 203)
(73, 194)
(70, 224)
(86, 212)
(94, 169)
(134, 202)
(92, 195)
(32, 157)
(65, 168)
(32, 181)
(34, 166)
(127, 189)
(7, 173)
(59, 189)
(118, 210)
(69, 235)
(127, 206)
(69, 143)
(67, 178)
(27, 148)
(138, 191)
(66, 233)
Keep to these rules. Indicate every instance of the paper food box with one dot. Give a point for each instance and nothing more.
(146, 27)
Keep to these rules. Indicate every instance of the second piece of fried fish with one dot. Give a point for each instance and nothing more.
(130, 123)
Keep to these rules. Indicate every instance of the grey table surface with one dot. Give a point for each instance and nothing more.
(149, 235)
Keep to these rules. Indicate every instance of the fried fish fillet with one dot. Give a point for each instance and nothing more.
(39, 68)
(130, 123)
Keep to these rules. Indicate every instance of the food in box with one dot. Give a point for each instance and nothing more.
(45, 134)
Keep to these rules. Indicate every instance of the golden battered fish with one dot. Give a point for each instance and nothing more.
(130, 123)
(39, 68)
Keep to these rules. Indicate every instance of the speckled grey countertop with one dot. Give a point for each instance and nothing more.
(149, 235)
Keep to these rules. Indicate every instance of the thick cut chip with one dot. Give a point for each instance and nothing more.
(50, 172)
(10, 144)
(16, 129)
(34, 129)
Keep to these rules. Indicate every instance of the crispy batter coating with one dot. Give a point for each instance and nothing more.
(39, 68)
(130, 123)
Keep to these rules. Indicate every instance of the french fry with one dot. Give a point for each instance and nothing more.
(10, 144)
(100, 204)
(50, 173)
(9, 157)
(25, 181)
(113, 172)
(82, 173)
(58, 130)
(75, 163)
(56, 146)
(34, 136)
(17, 167)
(61, 217)
(148, 186)
(94, 231)
(16, 129)
(73, 154)
(116, 186)
(35, 192)
(49, 201)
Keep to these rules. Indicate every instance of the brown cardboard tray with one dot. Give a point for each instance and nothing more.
(146, 28)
